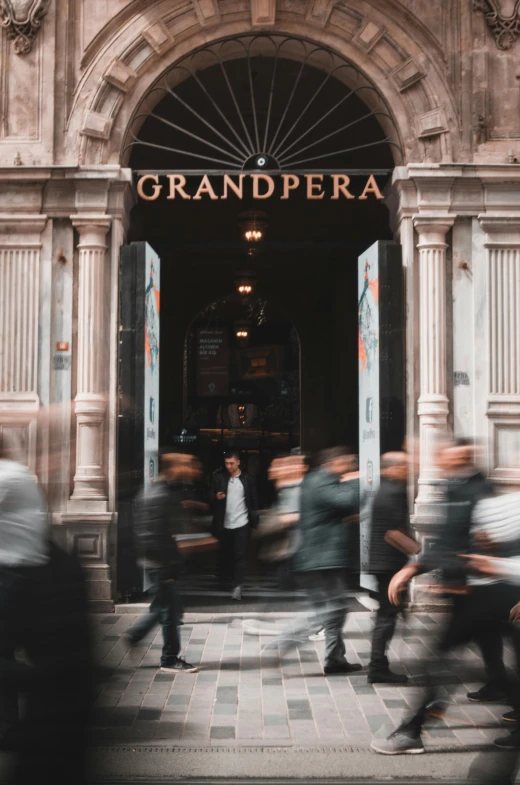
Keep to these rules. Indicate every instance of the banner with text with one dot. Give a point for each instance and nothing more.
(369, 403)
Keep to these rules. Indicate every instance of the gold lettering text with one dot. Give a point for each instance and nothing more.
(371, 187)
(312, 185)
(340, 183)
(290, 183)
(156, 189)
(237, 188)
(177, 183)
(205, 187)
(266, 179)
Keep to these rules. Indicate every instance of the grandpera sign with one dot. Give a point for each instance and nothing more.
(260, 186)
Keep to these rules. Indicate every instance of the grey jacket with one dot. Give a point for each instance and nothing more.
(325, 503)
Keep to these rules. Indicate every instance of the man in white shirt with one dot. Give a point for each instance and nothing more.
(234, 498)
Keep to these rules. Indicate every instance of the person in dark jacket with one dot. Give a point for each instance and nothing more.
(330, 493)
(389, 514)
(235, 504)
(465, 487)
(161, 509)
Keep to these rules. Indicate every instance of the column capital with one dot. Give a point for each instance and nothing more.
(432, 229)
(91, 222)
(502, 230)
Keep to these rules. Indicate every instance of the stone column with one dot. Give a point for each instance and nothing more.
(433, 401)
(90, 481)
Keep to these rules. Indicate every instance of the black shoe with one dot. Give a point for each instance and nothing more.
(511, 717)
(511, 742)
(178, 666)
(386, 677)
(488, 694)
(342, 667)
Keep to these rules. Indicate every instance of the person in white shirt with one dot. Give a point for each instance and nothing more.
(23, 553)
(234, 499)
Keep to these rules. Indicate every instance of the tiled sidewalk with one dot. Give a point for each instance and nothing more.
(240, 698)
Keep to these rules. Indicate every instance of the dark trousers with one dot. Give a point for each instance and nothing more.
(327, 595)
(474, 617)
(165, 609)
(44, 611)
(18, 587)
(233, 555)
(384, 626)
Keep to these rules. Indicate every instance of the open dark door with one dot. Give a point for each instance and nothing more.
(381, 325)
(138, 423)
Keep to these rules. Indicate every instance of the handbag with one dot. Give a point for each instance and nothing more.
(193, 543)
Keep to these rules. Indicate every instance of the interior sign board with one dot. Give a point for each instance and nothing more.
(381, 376)
(212, 352)
(263, 362)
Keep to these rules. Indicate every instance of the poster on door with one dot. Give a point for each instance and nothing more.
(152, 310)
(212, 352)
(369, 403)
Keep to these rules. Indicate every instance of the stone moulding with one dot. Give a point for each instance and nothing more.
(505, 29)
(22, 20)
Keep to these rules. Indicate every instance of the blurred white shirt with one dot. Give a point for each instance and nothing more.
(236, 509)
(23, 518)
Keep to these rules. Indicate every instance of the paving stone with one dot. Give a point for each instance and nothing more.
(148, 715)
(222, 732)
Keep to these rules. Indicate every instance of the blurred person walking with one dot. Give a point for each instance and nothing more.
(43, 613)
(330, 493)
(279, 533)
(234, 499)
(161, 511)
(24, 552)
(465, 487)
(390, 536)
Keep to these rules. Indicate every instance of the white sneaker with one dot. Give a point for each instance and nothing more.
(236, 594)
(318, 636)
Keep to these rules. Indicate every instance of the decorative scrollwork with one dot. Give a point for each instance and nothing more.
(22, 19)
(505, 29)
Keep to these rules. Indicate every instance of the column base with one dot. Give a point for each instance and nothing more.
(85, 533)
(425, 521)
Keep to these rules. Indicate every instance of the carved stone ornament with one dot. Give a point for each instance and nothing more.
(505, 29)
(22, 19)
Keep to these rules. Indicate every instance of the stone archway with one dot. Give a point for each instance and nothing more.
(399, 57)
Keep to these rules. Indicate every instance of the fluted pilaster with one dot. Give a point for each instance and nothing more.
(503, 302)
(19, 288)
(433, 401)
(90, 484)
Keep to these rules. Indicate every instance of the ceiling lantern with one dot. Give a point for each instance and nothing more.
(245, 282)
(253, 228)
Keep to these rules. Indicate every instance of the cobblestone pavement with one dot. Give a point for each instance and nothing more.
(240, 698)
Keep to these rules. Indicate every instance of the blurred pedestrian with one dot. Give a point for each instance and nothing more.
(465, 487)
(330, 493)
(24, 551)
(45, 642)
(235, 504)
(279, 534)
(161, 512)
(390, 540)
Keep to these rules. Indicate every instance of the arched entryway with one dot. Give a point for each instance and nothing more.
(277, 134)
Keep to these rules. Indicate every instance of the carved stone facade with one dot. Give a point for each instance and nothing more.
(67, 106)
